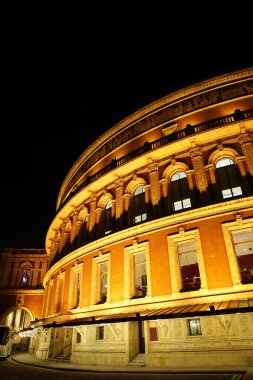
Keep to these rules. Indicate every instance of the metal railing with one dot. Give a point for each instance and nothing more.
(148, 146)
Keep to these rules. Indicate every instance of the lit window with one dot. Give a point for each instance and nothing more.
(26, 276)
(140, 275)
(187, 269)
(75, 286)
(100, 291)
(243, 244)
(59, 293)
(180, 191)
(194, 327)
(103, 281)
(189, 265)
(228, 178)
(137, 279)
(108, 218)
(139, 204)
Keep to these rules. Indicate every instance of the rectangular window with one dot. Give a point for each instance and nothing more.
(100, 333)
(189, 265)
(153, 334)
(243, 245)
(100, 285)
(59, 293)
(49, 294)
(140, 275)
(137, 278)
(75, 286)
(78, 337)
(194, 327)
(103, 281)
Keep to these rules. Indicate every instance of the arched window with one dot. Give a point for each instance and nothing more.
(26, 277)
(228, 178)
(139, 205)
(108, 218)
(180, 191)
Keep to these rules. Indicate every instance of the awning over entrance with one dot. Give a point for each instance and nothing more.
(212, 308)
(224, 307)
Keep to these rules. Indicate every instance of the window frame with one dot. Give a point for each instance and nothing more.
(227, 229)
(173, 192)
(59, 293)
(141, 197)
(96, 280)
(175, 270)
(228, 193)
(75, 271)
(129, 279)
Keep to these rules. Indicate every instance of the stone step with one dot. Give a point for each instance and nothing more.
(138, 360)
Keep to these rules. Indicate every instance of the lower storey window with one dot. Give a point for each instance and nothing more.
(189, 266)
(100, 333)
(194, 327)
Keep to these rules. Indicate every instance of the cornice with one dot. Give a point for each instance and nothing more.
(154, 107)
(174, 220)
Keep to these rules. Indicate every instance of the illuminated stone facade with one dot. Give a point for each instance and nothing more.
(21, 287)
(151, 249)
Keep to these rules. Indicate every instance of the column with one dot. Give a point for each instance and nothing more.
(73, 233)
(119, 203)
(246, 143)
(199, 169)
(35, 272)
(43, 269)
(7, 263)
(92, 219)
(15, 273)
(154, 184)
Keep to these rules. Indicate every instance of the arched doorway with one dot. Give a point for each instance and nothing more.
(18, 319)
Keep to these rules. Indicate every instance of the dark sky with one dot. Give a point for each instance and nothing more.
(59, 93)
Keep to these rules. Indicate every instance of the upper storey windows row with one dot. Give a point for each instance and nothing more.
(178, 188)
(187, 271)
(169, 138)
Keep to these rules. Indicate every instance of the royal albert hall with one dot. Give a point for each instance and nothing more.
(151, 247)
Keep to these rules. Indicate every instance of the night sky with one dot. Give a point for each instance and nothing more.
(59, 93)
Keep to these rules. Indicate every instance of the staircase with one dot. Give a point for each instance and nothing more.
(138, 361)
(59, 358)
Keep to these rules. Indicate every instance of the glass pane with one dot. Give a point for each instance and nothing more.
(237, 191)
(189, 265)
(178, 176)
(243, 244)
(103, 281)
(227, 193)
(194, 326)
(186, 203)
(178, 206)
(224, 162)
(140, 275)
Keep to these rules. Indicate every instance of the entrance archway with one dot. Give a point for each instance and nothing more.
(18, 319)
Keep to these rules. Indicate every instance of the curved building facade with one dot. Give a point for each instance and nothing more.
(151, 247)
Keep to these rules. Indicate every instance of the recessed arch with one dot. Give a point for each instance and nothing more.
(225, 152)
(174, 168)
(134, 183)
(106, 197)
(82, 213)
(8, 317)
